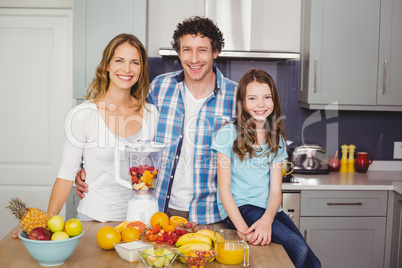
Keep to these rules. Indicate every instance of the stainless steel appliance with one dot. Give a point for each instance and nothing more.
(291, 205)
(309, 159)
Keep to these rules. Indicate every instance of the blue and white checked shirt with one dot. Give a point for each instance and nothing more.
(167, 94)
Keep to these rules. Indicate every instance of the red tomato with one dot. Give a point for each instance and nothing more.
(153, 237)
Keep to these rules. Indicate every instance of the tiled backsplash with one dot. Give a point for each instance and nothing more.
(371, 131)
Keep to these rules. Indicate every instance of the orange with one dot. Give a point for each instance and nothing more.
(137, 224)
(121, 226)
(159, 218)
(106, 236)
(168, 228)
(130, 234)
(175, 220)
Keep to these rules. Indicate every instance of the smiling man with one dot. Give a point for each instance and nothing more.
(193, 103)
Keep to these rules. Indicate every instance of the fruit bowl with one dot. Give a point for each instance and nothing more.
(197, 261)
(158, 257)
(50, 252)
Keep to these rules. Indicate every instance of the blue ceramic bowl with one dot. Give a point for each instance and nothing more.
(50, 253)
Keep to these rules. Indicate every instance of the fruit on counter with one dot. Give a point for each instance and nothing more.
(168, 228)
(193, 238)
(40, 233)
(129, 234)
(137, 224)
(73, 227)
(189, 227)
(29, 218)
(60, 235)
(210, 234)
(158, 257)
(121, 226)
(107, 236)
(143, 177)
(160, 218)
(176, 220)
(55, 223)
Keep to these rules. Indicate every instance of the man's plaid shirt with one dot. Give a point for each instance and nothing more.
(166, 93)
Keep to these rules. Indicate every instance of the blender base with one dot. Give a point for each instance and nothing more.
(142, 210)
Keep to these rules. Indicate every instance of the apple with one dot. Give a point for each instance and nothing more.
(73, 227)
(39, 233)
(60, 235)
(55, 223)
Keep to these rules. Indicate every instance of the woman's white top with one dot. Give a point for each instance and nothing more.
(87, 136)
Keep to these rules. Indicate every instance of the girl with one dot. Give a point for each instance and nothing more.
(250, 152)
(115, 112)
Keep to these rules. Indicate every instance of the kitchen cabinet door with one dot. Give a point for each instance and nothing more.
(96, 22)
(390, 58)
(36, 94)
(339, 52)
(346, 241)
(396, 231)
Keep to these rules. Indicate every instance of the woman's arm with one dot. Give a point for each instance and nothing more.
(225, 193)
(60, 192)
(263, 227)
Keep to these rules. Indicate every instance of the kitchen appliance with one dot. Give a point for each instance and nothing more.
(136, 167)
(309, 159)
(291, 205)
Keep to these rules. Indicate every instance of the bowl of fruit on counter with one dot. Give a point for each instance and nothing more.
(158, 256)
(49, 240)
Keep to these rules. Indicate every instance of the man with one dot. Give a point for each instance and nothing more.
(192, 104)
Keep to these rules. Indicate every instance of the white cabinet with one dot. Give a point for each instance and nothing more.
(36, 82)
(96, 22)
(342, 57)
(393, 249)
(345, 228)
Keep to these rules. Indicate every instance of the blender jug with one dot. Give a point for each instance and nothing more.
(136, 167)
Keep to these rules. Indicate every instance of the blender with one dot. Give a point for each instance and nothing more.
(136, 167)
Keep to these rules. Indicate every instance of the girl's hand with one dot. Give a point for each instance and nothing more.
(262, 232)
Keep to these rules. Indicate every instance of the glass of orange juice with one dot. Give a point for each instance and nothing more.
(232, 247)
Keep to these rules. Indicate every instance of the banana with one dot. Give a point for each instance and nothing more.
(193, 238)
(211, 234)
(186, 249)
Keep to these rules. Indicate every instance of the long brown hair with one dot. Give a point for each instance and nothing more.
(99, 85)
(246, 129)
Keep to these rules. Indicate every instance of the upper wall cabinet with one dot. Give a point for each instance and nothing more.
(96, 22)
(350, 56)
(251, 28)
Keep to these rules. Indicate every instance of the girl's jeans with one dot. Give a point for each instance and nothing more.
(284, 232)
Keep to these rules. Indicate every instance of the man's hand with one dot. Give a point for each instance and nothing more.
(82, 187)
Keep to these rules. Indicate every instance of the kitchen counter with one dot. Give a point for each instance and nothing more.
(390, 180)
(89, 254)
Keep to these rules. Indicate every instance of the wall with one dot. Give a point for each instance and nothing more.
(371, 131)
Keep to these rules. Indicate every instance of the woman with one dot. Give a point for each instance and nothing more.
(115, 112)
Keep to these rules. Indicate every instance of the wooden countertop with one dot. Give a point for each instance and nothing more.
(89, 254)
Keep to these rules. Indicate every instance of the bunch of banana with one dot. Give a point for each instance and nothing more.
(210, 234)
(191, 242)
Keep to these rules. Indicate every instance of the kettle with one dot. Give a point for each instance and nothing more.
(309, 159)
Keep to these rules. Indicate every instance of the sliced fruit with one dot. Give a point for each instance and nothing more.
(137, 224)
(176, 220)
(121, 226)
(168, 228)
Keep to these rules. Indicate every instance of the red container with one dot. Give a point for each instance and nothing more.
(362, 162)
(334, 164)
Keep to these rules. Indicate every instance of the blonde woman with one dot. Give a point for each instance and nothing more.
(115, 112)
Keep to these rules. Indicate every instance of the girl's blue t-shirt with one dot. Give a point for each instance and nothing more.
(250, 178)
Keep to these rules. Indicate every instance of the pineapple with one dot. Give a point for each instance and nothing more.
(30, 218)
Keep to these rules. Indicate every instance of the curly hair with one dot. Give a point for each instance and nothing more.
(247, 135)
(202, 26)
(100, 83)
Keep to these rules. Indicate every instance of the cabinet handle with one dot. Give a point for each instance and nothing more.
(344, 204)
(315, 74)
(384, 78)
